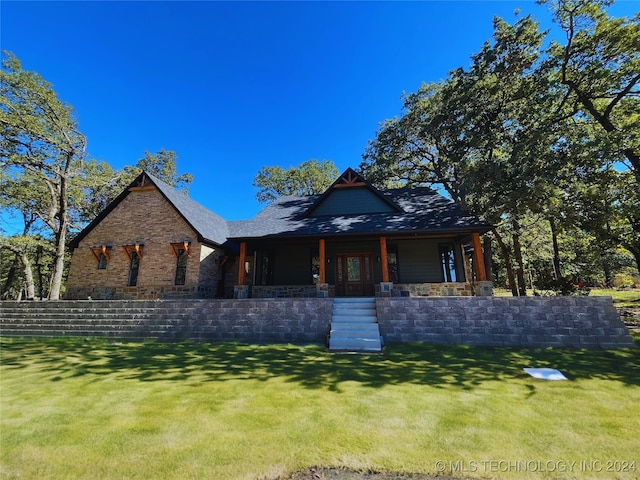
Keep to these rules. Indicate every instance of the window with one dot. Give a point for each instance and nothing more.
(181, 267)
(102, 261)
(315, 266)
(134, 252)
(392, 264)
(101, 254)
(182, 252)
(266, 268)
(448, 262)
(134, 266)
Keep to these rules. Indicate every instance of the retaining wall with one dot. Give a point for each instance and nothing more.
(305, 320)
(589, 322)
(584, 322)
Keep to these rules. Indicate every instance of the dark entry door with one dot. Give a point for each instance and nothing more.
(354, 277)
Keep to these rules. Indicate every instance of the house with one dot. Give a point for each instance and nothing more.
(353, 240)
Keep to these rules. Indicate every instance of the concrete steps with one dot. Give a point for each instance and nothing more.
(354, 326)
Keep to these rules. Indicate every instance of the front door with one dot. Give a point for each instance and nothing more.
(353, 275)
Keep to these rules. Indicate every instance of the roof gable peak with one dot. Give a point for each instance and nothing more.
(375, 201)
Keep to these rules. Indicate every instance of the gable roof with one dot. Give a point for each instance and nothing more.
(376, 203)
(420, 211)
(210, 227)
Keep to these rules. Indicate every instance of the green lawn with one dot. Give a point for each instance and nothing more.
(621, 298)
(90, 409)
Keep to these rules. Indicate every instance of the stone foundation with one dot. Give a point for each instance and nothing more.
(444, 289)
(139, 293)
(293, 291)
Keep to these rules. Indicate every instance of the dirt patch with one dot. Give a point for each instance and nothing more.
(319, 473)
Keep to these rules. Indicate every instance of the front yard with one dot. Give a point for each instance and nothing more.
(86, 408)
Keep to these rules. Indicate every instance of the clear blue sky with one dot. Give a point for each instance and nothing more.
(232, 87)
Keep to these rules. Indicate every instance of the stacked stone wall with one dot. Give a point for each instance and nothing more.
(589, 322)
(248, 321)
(581, 322)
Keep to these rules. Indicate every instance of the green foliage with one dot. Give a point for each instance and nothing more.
(309, 178)
(528, 130)
(624, 280)
(163, 165)
(40, 142)
(47, 180)
(599, 64)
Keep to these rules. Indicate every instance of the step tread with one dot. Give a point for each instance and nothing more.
(354, 319)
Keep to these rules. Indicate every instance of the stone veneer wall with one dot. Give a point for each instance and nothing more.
(444, 289)
(589, 322)
(140, 293)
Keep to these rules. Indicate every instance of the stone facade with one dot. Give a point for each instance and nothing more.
(444, 289)
(293, 291)
(143, 218)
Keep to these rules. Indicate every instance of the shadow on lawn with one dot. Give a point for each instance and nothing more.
(311, 366)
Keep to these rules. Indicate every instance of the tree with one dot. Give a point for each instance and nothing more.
(308, 178)
(40, 137)
(599, 64)
(482, 134)
(163, 165)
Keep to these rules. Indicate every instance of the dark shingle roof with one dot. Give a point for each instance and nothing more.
(211, 228)
(423, 211)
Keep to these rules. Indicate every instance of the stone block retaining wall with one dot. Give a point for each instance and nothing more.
(246, 321)
(589, 322)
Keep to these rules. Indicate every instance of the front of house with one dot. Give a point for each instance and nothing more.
(353, 240)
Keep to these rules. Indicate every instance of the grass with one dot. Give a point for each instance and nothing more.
(621, 298)
(86, 408)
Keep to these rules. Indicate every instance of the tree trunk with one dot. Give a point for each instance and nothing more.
(61, 239)
(27, 272)
(517, 252)
(636, 255)
(7, 284)
(39, 270)
(488, 257)
(556, 249)
(507, 263)
(28, 277)
(608, 281)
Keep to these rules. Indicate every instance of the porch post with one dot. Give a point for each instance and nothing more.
(322, 261)
(478, 258)
(241, 262)
(383, 259)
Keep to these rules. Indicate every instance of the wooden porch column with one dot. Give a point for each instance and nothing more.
(241, 262)
(323, 262)
(383, 259)
(478, 258)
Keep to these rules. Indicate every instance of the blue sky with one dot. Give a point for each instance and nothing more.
(235, 86)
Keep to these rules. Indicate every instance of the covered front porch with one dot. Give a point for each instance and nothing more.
(342, 266)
